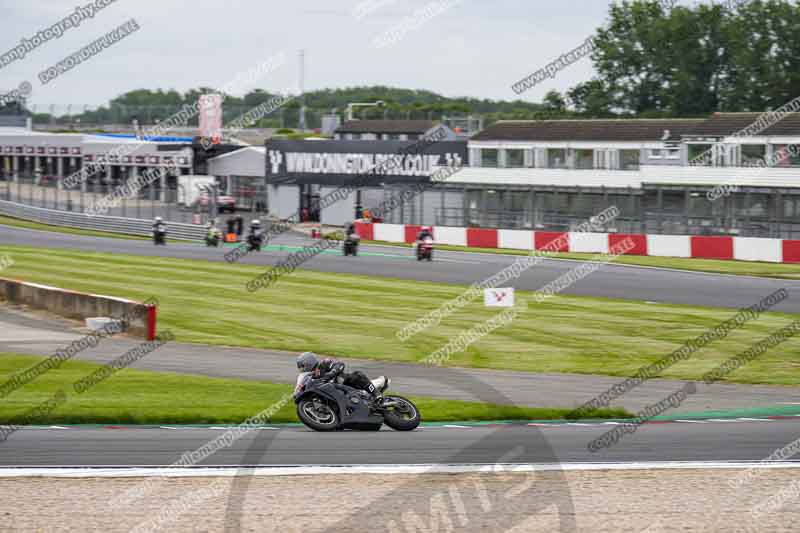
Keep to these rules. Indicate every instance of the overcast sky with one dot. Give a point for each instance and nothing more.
(474, 48)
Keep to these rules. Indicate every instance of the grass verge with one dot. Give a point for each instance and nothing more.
(27, 224)
(358, 316)
(739, 268)
(141, 397)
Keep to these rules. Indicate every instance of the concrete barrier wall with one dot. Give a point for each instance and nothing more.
(592, 243)
(453, 236)
(511, 238)
(669, 245)
(752, 249)
(727, 248)
(141, 317)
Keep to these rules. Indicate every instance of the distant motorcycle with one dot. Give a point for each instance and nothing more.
(255, 241)
(350, 246)
(330, 406)
(425, 249)
(213, 237)
(160, 234)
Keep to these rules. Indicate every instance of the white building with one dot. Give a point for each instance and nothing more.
(31, 155)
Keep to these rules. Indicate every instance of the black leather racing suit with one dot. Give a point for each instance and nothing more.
(330, 369)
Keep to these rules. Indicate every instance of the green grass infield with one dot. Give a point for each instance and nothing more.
(358, 316)
(142, 397)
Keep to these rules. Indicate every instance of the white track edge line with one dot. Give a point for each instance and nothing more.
(267, 471)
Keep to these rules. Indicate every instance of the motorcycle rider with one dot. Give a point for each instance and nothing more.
(311, 367)
(212, 234)
(351, 239)
(424, 233)
(159, 231)
(255, 238)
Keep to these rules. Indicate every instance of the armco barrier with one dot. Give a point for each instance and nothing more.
(728, 248)
(131, 226)
(79, 305)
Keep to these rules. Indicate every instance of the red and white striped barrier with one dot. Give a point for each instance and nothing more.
(730, 248)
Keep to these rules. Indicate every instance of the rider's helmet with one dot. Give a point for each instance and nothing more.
(255, 222)
(307, 361)
(426, 228)
(158, 219)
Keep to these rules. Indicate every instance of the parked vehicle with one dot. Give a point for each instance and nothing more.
(224, 203)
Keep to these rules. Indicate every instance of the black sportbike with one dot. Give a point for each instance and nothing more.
(254, 242)
(350, 246)
(331, 406)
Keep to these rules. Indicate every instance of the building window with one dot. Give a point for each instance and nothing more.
(515, 158)
(556, 158)
(654, 153)
(700, 206)
(791, 208)
(355, 136)
(602, 159)
(700, 154)
(489, 157)
(783, 157)
(629, 159)
(753, 154)
(584, 159)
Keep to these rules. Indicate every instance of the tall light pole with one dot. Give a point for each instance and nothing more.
(302, 120)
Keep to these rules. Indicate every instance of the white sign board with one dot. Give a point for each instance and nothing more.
(502, 297)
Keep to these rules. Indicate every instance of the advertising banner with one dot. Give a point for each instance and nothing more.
(338, 162)
(211, 117)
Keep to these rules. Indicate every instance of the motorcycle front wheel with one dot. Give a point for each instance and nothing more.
(317, 414)
(403, 415)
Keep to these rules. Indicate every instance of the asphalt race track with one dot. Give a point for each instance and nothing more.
(611, 281)
(743, 441)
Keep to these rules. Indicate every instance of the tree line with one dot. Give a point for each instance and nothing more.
(651, 59)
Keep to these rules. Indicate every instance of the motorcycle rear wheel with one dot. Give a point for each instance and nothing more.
(317, 414)
(403, 417)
